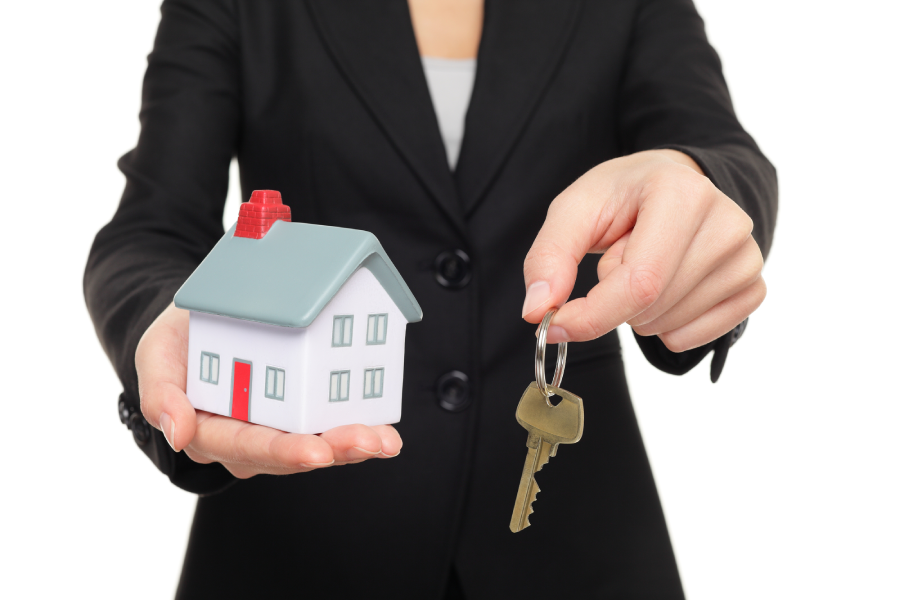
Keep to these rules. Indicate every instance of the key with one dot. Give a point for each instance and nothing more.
(548, 426)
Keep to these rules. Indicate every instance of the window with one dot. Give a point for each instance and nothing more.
(376, 331)
(209, 367)
(373, 384)
(340, 386)
(343, 331)
(274, 383)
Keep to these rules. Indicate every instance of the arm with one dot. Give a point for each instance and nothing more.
(171, 210)
(674, 96)
(669, 234)
(169, 218)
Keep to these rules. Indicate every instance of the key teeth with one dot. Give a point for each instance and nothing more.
(532, 497)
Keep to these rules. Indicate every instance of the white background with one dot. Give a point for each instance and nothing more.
(781, 481)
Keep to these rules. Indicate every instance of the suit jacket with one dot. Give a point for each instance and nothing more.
(326, 101)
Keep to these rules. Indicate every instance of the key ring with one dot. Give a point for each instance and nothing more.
(539, 353)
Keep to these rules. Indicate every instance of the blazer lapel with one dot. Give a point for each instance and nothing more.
(522, 46)
(373, 44)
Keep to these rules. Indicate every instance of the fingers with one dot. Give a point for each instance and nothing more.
(738, 273)
(246, 449)
(717, 321)
(265, 450)
(723, 239)
(358, 442)
(638, 271)
(391, 443)
(612, 258)
(161, 363)
(679, 254)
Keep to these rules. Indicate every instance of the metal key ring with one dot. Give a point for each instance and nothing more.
(539, 353)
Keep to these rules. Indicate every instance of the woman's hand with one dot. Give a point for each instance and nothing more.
(243, 448)
(679, 260)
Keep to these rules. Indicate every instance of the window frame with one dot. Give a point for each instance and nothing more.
(274, 395)
(343, 321)
(375, 341)
(330, 379)
(211, 356)
(380, 391)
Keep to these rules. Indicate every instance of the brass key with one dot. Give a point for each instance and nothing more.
(548, 426)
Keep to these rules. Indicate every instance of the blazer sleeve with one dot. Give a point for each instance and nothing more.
(673, 95)
(170, 214)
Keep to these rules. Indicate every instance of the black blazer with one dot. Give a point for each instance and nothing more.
(326, 101)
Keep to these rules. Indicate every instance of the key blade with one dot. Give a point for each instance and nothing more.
(544, 454)
(532, 497)
(528, 487)
(524, 510)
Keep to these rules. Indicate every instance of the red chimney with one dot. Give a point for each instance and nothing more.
(260, 213)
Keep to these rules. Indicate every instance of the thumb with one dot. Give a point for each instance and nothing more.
(571, 230)
(161, 362)
(550, 270)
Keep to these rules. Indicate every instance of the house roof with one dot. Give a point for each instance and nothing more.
(287, 277)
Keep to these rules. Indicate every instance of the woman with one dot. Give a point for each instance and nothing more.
(328, 102)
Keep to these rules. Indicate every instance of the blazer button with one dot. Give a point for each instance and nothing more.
(140, 429)
(124, 412)
(453, 391)
(738, 331)
(452, 269)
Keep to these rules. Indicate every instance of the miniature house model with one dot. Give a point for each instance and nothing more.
(295, 326)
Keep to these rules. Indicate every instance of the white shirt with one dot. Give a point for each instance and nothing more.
(450, 82)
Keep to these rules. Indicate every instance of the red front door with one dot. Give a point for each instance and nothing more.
(240, 390)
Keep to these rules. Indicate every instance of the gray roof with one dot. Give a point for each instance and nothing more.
(289, 276)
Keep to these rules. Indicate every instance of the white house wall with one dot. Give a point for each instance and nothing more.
(308, 358)
(361, 296)
(257, 343)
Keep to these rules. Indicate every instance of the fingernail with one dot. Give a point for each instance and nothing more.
(167, 426)
(312, 464)
(357, 452)
(389, 455)
(537, 295)
(556, 334)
